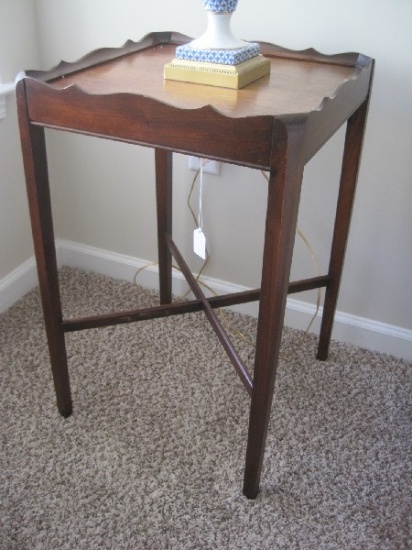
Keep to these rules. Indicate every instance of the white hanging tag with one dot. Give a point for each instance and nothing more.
(199, 243)
(199, 239)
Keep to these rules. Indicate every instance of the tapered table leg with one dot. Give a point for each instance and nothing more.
(35, 164)
(164, 221)
(349, 175)
(283, 200)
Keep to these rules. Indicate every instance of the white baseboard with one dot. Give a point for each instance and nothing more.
(17, 283)
(354, 330)
(351, 329)
(125, 267)
(358, 331)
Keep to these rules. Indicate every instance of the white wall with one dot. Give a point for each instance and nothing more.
(18, 50)
(103, 191)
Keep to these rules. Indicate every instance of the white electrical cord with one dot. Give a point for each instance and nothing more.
(198, 223)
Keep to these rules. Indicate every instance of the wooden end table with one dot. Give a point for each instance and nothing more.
(276, 124)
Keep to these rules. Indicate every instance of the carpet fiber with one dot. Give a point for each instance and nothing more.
(153, 455)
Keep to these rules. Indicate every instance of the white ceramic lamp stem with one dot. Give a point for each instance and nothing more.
(218, 34)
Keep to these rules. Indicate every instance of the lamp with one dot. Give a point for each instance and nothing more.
(218, 58)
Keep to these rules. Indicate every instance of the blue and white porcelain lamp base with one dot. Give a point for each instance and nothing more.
(218, 58)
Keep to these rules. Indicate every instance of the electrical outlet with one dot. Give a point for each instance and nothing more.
(209, 166)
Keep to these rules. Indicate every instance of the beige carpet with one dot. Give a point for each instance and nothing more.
(152, 457)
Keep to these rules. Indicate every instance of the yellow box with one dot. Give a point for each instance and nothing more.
(215, 74)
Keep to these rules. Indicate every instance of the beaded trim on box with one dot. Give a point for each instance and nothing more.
(224, 57)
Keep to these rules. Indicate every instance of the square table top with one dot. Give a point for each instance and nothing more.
(293, 86)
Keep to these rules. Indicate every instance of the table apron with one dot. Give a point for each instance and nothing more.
(145, 121)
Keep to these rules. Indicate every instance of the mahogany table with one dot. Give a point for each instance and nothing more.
(277, 124)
